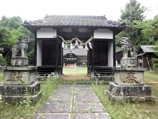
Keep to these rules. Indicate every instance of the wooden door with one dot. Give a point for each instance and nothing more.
(48, 52)
(100, 53)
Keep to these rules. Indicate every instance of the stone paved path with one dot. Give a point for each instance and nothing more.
(72, 101)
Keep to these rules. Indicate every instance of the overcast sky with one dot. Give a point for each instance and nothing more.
(37, 9)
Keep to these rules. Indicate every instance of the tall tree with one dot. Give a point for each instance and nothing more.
(132, 11)
(149, 29)
(10, 31)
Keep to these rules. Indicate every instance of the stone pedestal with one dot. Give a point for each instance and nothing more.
(129, 86)
(19, 84)
(120, 93)
(129, 76)
(19, 62)
(19, 75)
(16, 93)
(129, 62)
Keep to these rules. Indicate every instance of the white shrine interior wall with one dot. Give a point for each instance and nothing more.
(46, 33)
(103, 34)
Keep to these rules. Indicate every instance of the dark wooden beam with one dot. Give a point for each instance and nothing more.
(52, 39)
(92, 59)
(114, 50)
(57, 56)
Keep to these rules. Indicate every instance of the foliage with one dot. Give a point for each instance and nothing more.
(25, 109)
(75, 71)
(83, 64)
(155, 60)
(3, 61)
(149, 29)
(133, 11)
(11, 30)
(126, 110)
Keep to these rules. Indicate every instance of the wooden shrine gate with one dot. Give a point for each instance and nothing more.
(48, 55)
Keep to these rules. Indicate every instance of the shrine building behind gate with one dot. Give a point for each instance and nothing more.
(48, 55)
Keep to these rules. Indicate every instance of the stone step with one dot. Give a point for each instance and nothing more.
(75, 77)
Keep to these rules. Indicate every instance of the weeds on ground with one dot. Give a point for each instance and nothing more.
(1, 77)
(150, 76)
(73, 101)
(125, 110)
(75, 71)
(25, 109)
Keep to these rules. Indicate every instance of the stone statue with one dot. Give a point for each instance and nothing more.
(129, 79)
(22, 46)
(129, 53)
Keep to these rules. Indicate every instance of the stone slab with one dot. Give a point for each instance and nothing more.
(59, 105)
(52, 116)
(64, 86)
(62, 92)
(103, 78)
(83, 86)
(55, 108)
(119, 90)
(83, 98)
(85, 93)
(91, 116)
(64, 89)
(92, 107)
(82, 89)
(19, 89)
(65, 98)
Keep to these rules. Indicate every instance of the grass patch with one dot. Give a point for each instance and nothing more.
(1, 77)
(126, 110)
(27, 110)
(75, 71)
(73, 101)
(150, 76)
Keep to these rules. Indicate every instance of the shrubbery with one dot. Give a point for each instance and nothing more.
(3, 62)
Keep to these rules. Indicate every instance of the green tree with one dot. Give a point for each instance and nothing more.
(4, 21)
(11, 30)
(132, 11)
(149, 30)
(155, 60)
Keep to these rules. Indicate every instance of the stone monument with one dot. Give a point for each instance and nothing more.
(19, 78)
(129, 79)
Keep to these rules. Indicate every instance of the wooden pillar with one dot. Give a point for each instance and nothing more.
(57, 56)
(35, 49)
(61, 60)
(88, 60)
(92, 59)
(114, 50)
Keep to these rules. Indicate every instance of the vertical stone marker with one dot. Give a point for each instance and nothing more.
(19, 78)
(129, 79)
